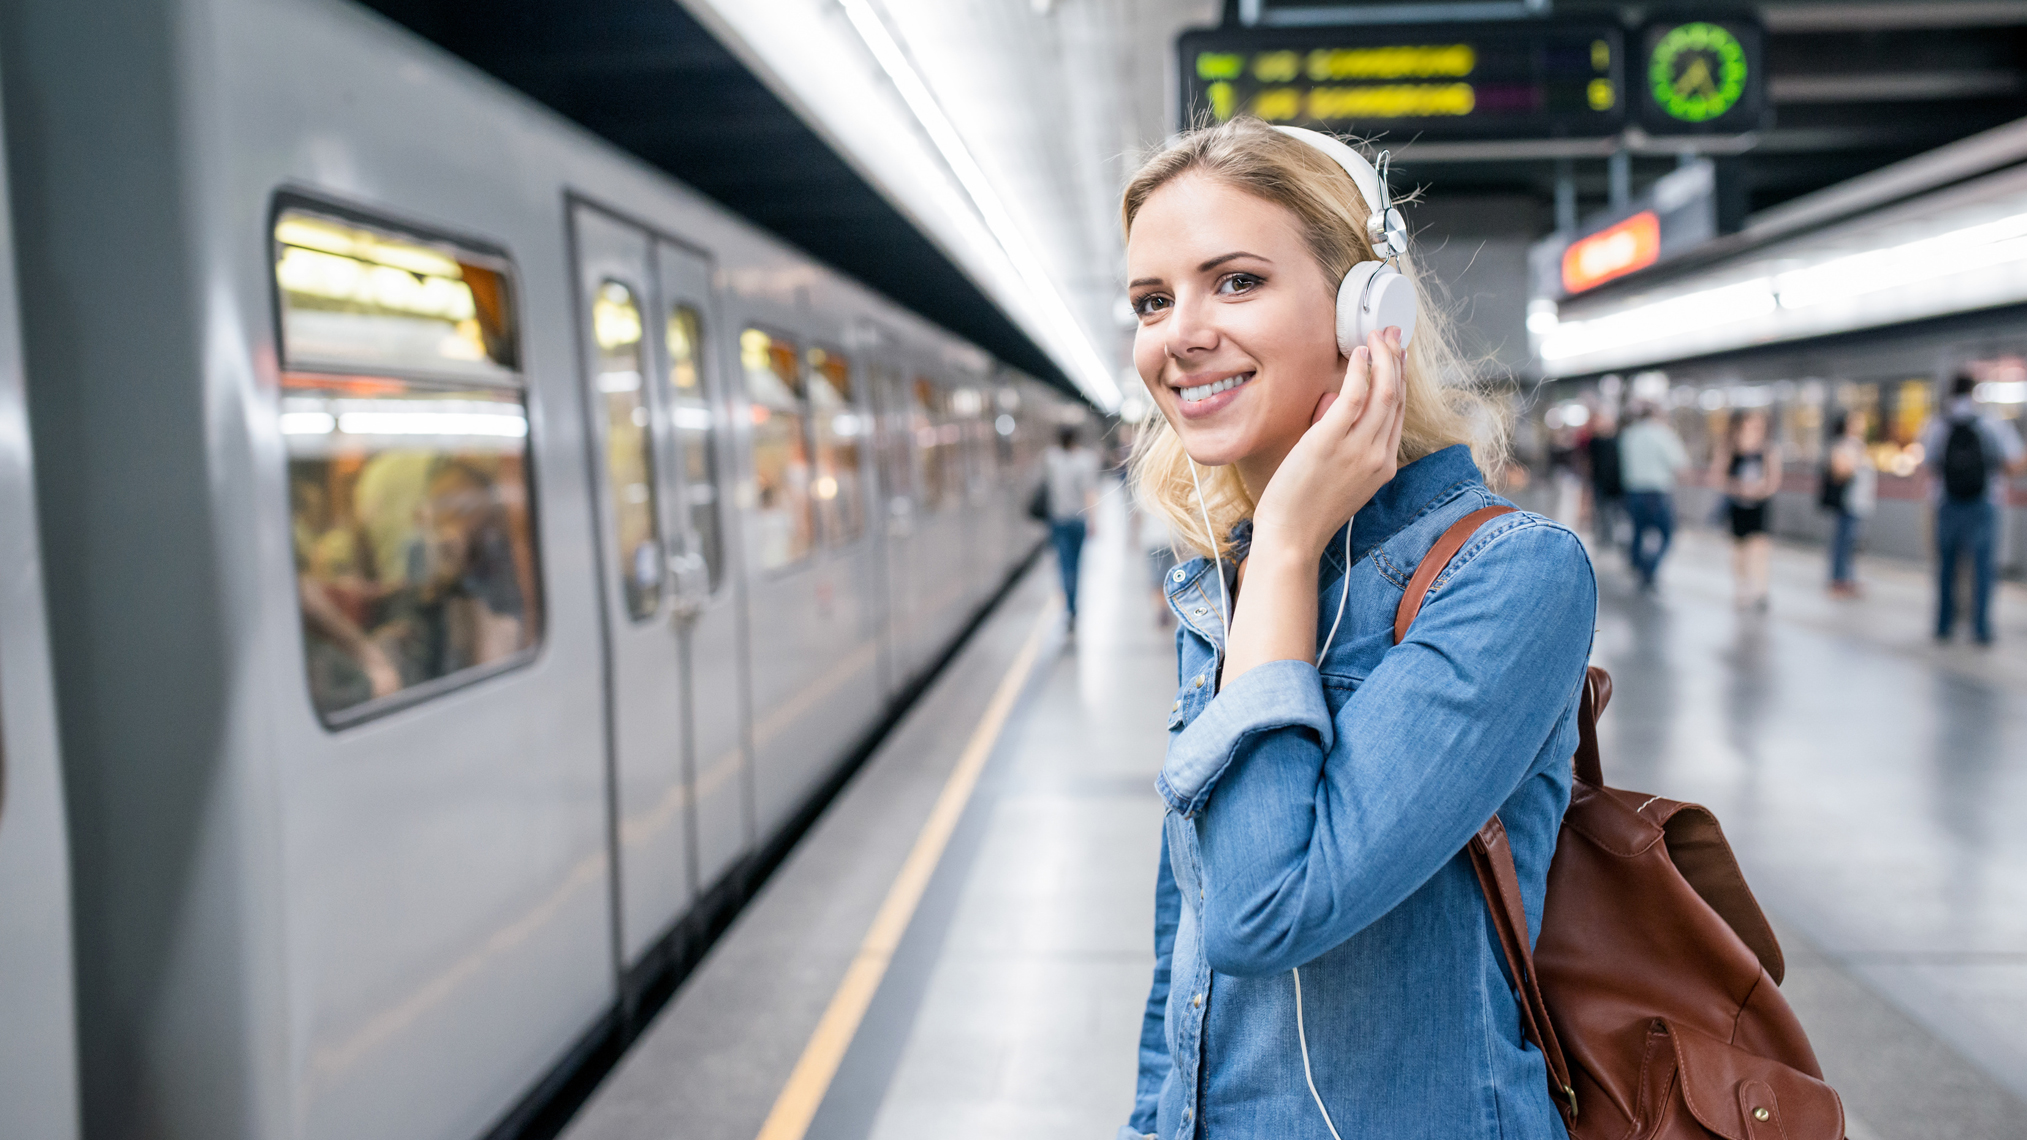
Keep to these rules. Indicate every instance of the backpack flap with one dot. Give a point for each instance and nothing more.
(1698, 849)
(1744, 1096)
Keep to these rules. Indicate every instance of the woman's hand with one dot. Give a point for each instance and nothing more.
(1346, 456)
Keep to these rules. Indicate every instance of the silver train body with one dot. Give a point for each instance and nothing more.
(465, 549)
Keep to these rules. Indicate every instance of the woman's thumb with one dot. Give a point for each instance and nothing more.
(1322, 406)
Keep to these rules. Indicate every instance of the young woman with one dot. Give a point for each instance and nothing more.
(1750, 472)
(1851, 490)
(1325, 967)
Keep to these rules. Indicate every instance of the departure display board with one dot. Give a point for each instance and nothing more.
(1521, 79)
(1701, 76)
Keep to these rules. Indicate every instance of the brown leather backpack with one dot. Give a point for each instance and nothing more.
(1652, 991)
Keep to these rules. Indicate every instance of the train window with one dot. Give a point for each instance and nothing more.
(408, 486)
(696, 436)
(355, 298)
(629, 448)
(835, 416)
(782, 524)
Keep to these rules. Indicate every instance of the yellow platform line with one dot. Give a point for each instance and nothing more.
(796, 1106)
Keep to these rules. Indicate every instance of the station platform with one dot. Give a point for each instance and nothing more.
(962, 945)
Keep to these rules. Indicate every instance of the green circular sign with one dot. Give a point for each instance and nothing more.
(1697, 72)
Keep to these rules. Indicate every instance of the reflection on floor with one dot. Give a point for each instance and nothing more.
(1872, 782)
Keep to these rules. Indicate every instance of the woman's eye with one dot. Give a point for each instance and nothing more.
(1239, 283)
(1149, 305)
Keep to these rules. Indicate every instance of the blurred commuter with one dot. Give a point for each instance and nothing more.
(1313, 912)
(1969, 456)
(1608, 492)
(1565, 465)
(1749, 470)
(1650, 457)
(1072, 474)
(1850, 488)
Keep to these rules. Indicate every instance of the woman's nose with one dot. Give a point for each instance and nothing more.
(1190, 329)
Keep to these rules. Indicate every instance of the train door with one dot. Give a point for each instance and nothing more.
(708, 616)
(38, 1053)
(652, 828)
(897, 519)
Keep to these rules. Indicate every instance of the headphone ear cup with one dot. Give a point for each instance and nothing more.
(1391, 302)
(1374, 296)
(1352, 323)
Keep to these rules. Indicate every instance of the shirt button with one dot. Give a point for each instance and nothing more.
(1197, 1001)
(1199, 682)
(1176, 707)
(1178, 574)
(1201, 610)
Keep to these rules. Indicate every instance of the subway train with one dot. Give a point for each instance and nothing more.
(467, 555)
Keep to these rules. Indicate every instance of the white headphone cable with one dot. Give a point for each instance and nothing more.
(1225, 603)
(1303, 1038)
(1217, 556)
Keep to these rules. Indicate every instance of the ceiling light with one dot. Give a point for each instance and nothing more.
(1086, 367)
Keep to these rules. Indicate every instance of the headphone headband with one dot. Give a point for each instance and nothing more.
(1384, 226)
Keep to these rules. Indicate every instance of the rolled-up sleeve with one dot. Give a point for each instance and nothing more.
(1270, 699)
(1311, 827)
(1155, 1062)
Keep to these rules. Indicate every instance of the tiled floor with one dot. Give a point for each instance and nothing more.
(1871, 781)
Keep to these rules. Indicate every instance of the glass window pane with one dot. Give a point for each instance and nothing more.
(696, 436)
(782, 524)
(355, 298)
(931, 454)
(414, 549)
(629, 455)
(839, 498)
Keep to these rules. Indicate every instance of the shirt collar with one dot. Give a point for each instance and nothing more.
(1413, 490)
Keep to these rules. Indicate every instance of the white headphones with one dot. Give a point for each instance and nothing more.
(1374, 295)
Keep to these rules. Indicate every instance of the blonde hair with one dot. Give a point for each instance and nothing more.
(1261, 161)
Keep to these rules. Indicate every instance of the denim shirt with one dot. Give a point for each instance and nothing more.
(1317, 816)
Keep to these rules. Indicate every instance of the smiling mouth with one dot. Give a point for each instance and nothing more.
(1206, 391)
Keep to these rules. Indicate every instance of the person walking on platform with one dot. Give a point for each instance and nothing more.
(1850, 488)
(1969, 456)
(1749, 470)
(1650, 457)
(1608, 491)
(1072, 475)
(1324, 964)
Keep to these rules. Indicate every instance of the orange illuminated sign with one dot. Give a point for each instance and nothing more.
(1613, 252)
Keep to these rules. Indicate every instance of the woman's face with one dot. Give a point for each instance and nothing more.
(1752, 432)
(1237, 340)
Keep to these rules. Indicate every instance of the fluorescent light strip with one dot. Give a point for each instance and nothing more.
(1088, 367)
(1970, 249)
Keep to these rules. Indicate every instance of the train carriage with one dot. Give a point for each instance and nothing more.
(470, 551)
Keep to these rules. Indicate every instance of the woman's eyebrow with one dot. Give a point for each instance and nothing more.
(1214, 262)
(1139, 281)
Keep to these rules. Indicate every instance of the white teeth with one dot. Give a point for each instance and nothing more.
(1206, 391)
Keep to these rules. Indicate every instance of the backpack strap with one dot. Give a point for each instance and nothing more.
(1491, 854)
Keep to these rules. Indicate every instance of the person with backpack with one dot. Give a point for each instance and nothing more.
(1069, 492)
(1325, 965)
(1849, 491)
(1651, 455)
(1969, 456)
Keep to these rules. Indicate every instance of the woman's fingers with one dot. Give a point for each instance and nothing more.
(1353, 394)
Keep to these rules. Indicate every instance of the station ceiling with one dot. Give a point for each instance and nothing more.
(1058, 98)
(647, 77)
